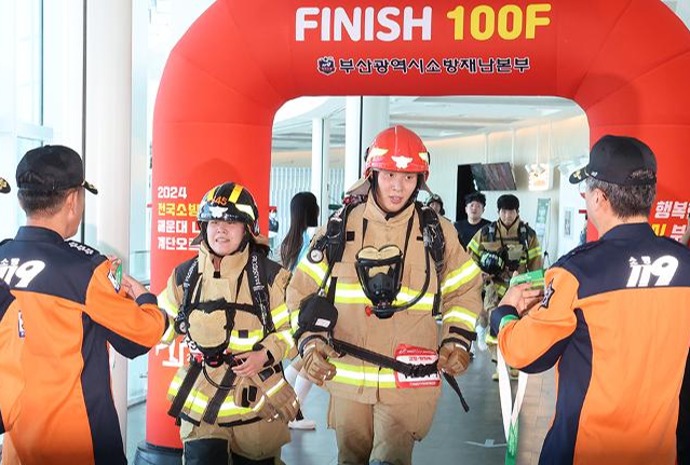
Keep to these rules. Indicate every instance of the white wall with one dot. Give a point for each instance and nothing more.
(555, 142)
(562, 143)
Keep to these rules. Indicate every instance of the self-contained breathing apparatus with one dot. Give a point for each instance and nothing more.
(379, 270)
(495, 262)
(380, 274)
(193, 316)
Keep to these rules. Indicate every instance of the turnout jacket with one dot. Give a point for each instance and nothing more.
(460, 286)
(525, 252)
(615, 320)
(70, 313)
(247, 330)
(11, 381)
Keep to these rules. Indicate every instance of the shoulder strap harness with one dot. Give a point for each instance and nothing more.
(333, 244)
(259, 277)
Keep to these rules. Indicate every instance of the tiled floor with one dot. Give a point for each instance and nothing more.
(474, 438)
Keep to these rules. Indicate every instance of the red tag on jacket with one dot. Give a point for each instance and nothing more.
(416, 356)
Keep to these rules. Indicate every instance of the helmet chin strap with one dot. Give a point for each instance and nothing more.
(410, 201)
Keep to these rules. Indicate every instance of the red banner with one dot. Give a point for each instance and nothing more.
(625, 63)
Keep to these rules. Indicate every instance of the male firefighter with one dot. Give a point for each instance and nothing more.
(501, 248)
(367, 292)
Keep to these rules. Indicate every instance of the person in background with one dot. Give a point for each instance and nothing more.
(436, 202)
(475, 203)
(502, 248)
(304, 216)
(273, 227)
(273, 224)
(614, 320)
(72, 304)
(369, 282)
(229, 302)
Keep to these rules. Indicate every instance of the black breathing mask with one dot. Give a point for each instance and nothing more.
(379, 272)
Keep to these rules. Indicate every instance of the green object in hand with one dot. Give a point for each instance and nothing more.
(536, 278)
(118, 275)
(115, 277)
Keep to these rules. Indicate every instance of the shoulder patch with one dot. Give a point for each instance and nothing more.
(85, 251)
(575, 251)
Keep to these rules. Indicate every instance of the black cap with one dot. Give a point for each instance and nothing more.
(52, 168)
(614, 158)
(4, 186)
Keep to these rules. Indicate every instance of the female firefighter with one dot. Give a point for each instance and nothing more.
(231, 399)
(367, 291)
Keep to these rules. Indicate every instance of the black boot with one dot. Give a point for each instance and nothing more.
(210, 451)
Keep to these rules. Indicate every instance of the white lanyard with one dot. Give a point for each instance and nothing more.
(509, 411)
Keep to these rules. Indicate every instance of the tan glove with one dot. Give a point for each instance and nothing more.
(275, 396)
(316, 366)
(453, 358)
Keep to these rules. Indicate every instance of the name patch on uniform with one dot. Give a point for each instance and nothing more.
(85, 249)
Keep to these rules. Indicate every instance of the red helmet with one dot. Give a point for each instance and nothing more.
(397, 149)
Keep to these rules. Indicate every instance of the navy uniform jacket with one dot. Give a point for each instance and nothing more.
(70, 312)
(615, 319)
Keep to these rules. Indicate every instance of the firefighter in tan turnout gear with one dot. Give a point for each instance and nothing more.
(231, 399)
(502, 248)
(366, 293)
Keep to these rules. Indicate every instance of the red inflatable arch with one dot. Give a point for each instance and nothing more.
(625, 62)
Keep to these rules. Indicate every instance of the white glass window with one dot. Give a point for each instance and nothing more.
(29, 61)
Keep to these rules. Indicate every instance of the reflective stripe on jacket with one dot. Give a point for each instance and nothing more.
(247, 329)
(416, 326)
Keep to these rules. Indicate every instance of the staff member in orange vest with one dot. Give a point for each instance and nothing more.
(72, 307)
(614, 319)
